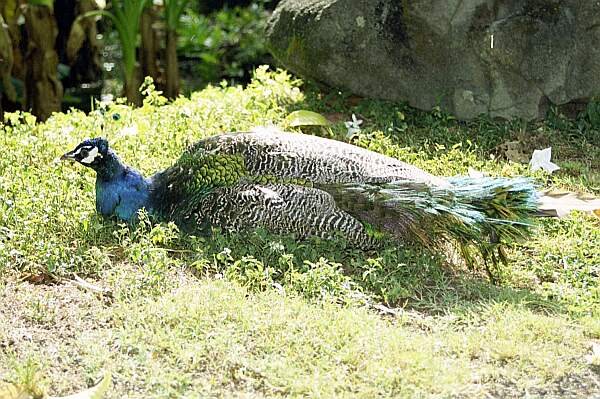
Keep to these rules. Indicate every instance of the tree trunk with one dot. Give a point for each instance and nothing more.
(149, 48)
(172, 86)
(131, 88)
(43, 89)
(81, 52)
(6, 62)
(11, 11)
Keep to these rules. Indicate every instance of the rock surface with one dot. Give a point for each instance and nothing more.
(504, 58)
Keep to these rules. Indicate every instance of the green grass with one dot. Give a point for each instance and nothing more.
(258, 315)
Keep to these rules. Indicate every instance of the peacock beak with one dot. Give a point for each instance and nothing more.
(68, 155)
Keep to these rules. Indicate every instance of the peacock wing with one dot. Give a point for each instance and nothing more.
(273, 153)
(279, 208)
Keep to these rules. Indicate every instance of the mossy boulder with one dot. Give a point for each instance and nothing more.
(504, 58)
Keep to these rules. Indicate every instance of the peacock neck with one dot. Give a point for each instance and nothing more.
(111, 168)
(121, 190)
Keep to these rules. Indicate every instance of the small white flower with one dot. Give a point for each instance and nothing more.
(279, 288)
(541, 160)
(353, 126)
(67, 130)
(187, 111)
(276, 246)
(128, 131)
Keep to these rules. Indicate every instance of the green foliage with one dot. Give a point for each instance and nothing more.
(173, 11)
(45, 3)
(256, 314)
(27, 376)
(125, 15)
(146, 245)
(224, 45)
(592, 114)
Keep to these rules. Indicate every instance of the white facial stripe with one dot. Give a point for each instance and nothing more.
(93, 154)
(85, 147)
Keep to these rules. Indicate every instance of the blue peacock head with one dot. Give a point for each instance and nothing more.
(92, 153)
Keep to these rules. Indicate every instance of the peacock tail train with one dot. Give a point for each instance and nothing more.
(476, 215)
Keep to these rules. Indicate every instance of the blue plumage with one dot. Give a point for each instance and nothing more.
(120, 189)
(124, 195)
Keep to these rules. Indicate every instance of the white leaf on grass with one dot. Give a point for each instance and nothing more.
(11, 391)
(541, 160)
(561, 203)
(594, 357)
(353, 126)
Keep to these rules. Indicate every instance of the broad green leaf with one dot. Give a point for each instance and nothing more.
(306, 118)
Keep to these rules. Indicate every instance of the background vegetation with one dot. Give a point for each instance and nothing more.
(262, 315)
(71, 48)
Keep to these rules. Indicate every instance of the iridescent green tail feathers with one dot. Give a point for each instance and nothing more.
(477, 215)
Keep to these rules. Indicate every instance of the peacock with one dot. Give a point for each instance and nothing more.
(313, 186)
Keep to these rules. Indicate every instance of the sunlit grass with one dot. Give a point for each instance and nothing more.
(263, 315)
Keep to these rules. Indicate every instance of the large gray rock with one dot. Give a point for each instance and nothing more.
(506, 58)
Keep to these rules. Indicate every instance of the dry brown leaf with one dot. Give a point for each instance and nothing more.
(335, 117)
(37, 278)
(513, 151)
(354, 100)
(561, 203)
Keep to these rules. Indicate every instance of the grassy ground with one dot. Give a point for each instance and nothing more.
(257, 315)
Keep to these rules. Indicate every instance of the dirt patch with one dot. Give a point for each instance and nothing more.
(49, 323)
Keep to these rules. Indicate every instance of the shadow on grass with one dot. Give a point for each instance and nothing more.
(395, 275)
